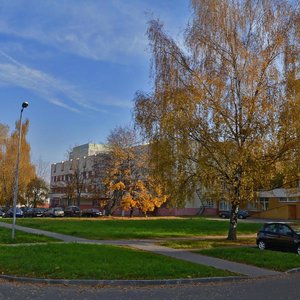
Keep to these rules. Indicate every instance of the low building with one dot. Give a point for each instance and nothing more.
(279, 204)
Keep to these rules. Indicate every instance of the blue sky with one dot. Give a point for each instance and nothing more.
(78, 63)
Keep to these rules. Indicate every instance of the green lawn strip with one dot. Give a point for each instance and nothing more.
(275, 260)
(21, 237)
(131, 228)
(78, 261)
(207, 243)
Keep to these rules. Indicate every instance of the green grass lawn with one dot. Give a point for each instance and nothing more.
(21, 237)
(136, 228)
(207, 243)
(84, 261)
(275, 260)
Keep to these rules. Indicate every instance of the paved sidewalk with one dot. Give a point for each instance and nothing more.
(149, 246)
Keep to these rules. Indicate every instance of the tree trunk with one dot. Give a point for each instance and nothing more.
(131, 213)
(78, 201)
(235, 205)
(233, 223)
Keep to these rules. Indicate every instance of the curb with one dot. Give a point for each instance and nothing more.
(91, 282)
(291, 271)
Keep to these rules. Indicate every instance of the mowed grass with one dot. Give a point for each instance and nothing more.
(207, 243)
(21, 237)
(84, 261)
(275, 260)
(107, 228)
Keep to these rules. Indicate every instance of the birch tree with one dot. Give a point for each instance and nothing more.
(220, 114)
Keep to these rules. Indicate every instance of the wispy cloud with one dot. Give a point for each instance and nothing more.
(108, 100)
(99, 30)
(55, 91)
(110, 31)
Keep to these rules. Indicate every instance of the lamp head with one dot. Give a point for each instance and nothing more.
(25, 104)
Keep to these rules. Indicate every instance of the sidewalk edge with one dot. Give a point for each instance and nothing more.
(124, 282)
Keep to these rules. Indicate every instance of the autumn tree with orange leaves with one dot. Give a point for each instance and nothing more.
(8, 156)
(127, 179)
(221, 114)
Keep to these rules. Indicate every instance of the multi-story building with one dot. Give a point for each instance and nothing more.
(77, 180)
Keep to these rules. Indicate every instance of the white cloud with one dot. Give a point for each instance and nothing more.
(98, 30)
(53, 90)
(109, 30)
(108, 100)
(63, 105)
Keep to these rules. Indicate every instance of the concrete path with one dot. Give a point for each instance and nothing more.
(149, 246)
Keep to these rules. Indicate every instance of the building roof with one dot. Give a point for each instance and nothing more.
(280, 193)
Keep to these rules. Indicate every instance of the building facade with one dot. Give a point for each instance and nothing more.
(76, 181)
(279, 204)
(79, 181)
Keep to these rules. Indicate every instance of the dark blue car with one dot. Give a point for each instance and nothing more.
(242, 214)
(280, 236)
(10, 213)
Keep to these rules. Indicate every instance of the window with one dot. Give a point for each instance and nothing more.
(210, 203)
(224, 205)
(251, 206)
(264, 202)
(282, 229)
(286, 199)
(271, 228)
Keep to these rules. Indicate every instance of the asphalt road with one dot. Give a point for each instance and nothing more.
(271, 288)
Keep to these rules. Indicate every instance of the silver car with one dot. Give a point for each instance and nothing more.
(54, 212)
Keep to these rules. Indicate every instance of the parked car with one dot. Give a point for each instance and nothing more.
(25, 208)
(280, 236)
(54, 212)
(242, 214)
(10, 213)
(72, 211)
(34, 212)
(91, 212)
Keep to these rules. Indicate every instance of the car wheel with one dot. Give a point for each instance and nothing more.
(261, 245)
(298, 249)
(223, 216)
(240, 217)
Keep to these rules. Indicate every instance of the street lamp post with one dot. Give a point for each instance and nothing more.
(24, 105)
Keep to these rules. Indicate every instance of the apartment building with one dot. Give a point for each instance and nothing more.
(77, 181)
